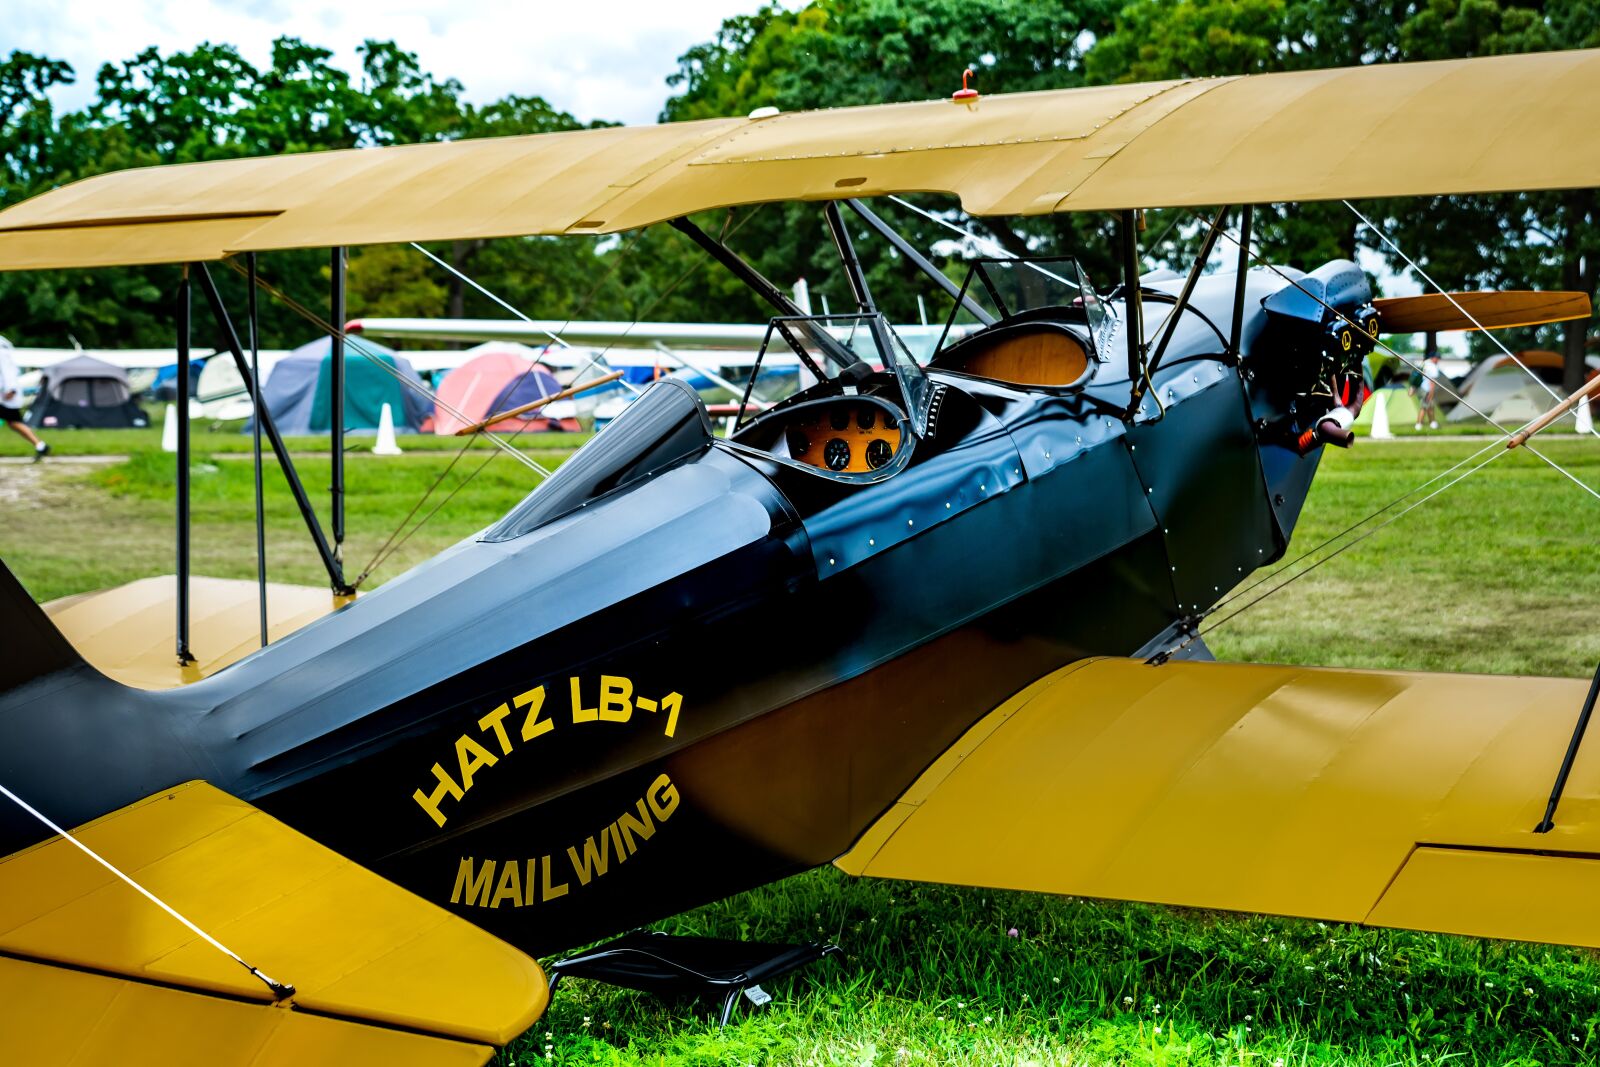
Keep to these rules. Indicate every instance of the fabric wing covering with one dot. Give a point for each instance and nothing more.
(92, 972)
(1458, 126)
(1381, 797)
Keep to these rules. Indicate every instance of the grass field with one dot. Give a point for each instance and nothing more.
(1498, 573)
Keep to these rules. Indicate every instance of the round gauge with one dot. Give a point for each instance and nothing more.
(879, 452)
(840, 417)
(866, 417)
(836, 454)
(889, 421)
(798, 444)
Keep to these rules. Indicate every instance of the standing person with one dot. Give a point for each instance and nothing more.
(1428, 407)
(11, 401)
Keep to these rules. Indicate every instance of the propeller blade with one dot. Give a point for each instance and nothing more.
(1493, 310)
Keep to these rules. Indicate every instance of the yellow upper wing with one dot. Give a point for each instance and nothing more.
(89, 967)
(1473, 125)
(1384, 797)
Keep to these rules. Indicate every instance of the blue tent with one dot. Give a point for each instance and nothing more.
(299, 392)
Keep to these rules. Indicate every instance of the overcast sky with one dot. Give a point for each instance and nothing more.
(599, 59)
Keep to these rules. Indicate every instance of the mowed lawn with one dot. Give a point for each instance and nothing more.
(1496, 574)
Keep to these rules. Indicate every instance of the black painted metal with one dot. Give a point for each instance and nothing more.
(1178, 309)
(763, 288)
(336, 274)
(1548, 823)
(921, 262)
(736, 266)
(1241, 278)
(230, 341)
(252, 385)
(180, 411)
(827, 641)
(1133, 309)
(847, 256)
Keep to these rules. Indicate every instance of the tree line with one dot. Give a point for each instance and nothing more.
(210, 103)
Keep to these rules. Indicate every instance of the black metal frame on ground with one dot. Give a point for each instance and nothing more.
(704, 967)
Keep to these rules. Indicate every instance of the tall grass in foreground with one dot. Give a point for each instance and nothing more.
(1500, 574)
(935, 975)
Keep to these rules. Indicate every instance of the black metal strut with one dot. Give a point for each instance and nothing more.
(847, 255)
(918, 260)
(231, 342)
(1548, 823)
(181, 413)
(1188, 291)
(1133, 313)
(1236, 337)
(253, 385)
(336, 387)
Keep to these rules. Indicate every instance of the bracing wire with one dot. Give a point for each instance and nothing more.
(1457, 304)
(1256, 256)
(1494, 445)
(359, 346)
(280, 990)
(395, 541)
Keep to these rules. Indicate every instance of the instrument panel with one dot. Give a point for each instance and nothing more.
(845, 437)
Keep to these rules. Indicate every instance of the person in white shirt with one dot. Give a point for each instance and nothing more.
(11, 401)
(1427, 409)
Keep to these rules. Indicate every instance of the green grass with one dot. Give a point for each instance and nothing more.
(229, 437)
(1497, 574)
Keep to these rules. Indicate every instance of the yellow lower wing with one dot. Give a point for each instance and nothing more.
(90, 971)
(1384, 797)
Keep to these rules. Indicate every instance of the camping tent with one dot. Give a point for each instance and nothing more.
(1499, 382)
(1400, 405)
(85, 392)
(501, 376)
(299, 391)
(221, 390)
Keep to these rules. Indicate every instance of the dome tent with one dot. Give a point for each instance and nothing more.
(501, 376)
(299, 392)
(85, 392)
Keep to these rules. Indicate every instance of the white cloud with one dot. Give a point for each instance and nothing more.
(599, 59)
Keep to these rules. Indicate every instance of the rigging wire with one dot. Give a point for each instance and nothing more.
(1497, 453)
(280, 990)
(1457, 304)
(1255, 255)
(1493, 445)
(395, 542)
(358, 344)
(556, 335)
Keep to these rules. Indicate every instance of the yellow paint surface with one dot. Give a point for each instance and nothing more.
(53, 1017)
(129, 633)
(352, 944)
(1363, 796)
(1472, 125)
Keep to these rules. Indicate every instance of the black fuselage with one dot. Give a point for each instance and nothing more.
(714, 672)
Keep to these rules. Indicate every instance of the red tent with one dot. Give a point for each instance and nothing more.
(501, 376)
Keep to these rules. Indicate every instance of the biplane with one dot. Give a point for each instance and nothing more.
(955, 603)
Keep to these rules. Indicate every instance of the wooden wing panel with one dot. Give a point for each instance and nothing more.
(51, 1016)
(354, 945)
(1359, 796)
(1458, 126)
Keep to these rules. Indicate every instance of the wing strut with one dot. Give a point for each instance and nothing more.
(1548, 823)
(918, 260)
(230, 341)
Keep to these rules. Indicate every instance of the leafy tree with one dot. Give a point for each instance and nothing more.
(835, 53)
(1546, 240)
